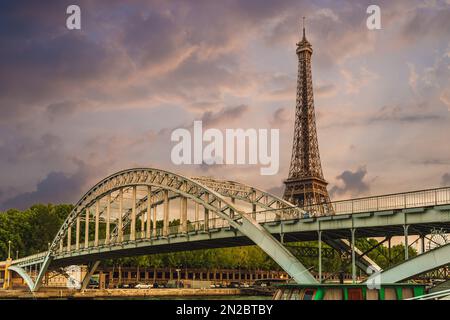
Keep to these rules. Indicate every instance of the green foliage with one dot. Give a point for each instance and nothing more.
(249, 257)
(31, 230)
(381, 254)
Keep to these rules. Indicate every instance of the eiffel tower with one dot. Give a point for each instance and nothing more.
(306, 187)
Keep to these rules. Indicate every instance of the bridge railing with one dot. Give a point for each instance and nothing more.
(405, 200)
(34, 257)
(192, 226)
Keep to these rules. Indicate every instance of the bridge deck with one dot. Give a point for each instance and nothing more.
(367, 224)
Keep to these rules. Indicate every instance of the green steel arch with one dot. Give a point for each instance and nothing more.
(191, 189)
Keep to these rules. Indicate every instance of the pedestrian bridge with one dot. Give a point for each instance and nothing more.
(144, 211)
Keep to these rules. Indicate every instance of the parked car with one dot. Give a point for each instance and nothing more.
(93, 284)
(143, 286)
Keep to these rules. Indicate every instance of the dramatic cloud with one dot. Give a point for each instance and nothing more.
(56, 187)
(19, 149)
(353, 183)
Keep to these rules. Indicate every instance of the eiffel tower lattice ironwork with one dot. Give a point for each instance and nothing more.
(306, 186)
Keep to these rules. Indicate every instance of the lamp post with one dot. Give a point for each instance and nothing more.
(178, 277)
(9, 249)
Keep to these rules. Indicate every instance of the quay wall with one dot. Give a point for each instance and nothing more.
(111, 293)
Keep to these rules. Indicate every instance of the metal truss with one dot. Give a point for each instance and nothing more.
(259, 199)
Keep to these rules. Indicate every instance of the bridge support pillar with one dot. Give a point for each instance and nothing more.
(233, 201)
(183, 214)
(77, 236)
(142, 234)
(389, 250)
(133, 215)
(120, 226)
(253, 199)
(166, 213)
(154, 221)
(206, 214)
(108, 218)
(353, 231)
(405, 230)
(196, 213)
(97, 219)
(422, 242)
(149, 212)
(89, 273)
(320, 255)
(42, 272)
(69, 238)
(86, 228)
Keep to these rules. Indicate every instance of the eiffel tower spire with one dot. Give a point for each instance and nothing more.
(306, 185)
(304, 34)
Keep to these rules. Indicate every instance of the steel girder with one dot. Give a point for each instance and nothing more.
(90, 272)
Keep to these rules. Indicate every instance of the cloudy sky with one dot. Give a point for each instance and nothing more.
(77, 105)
